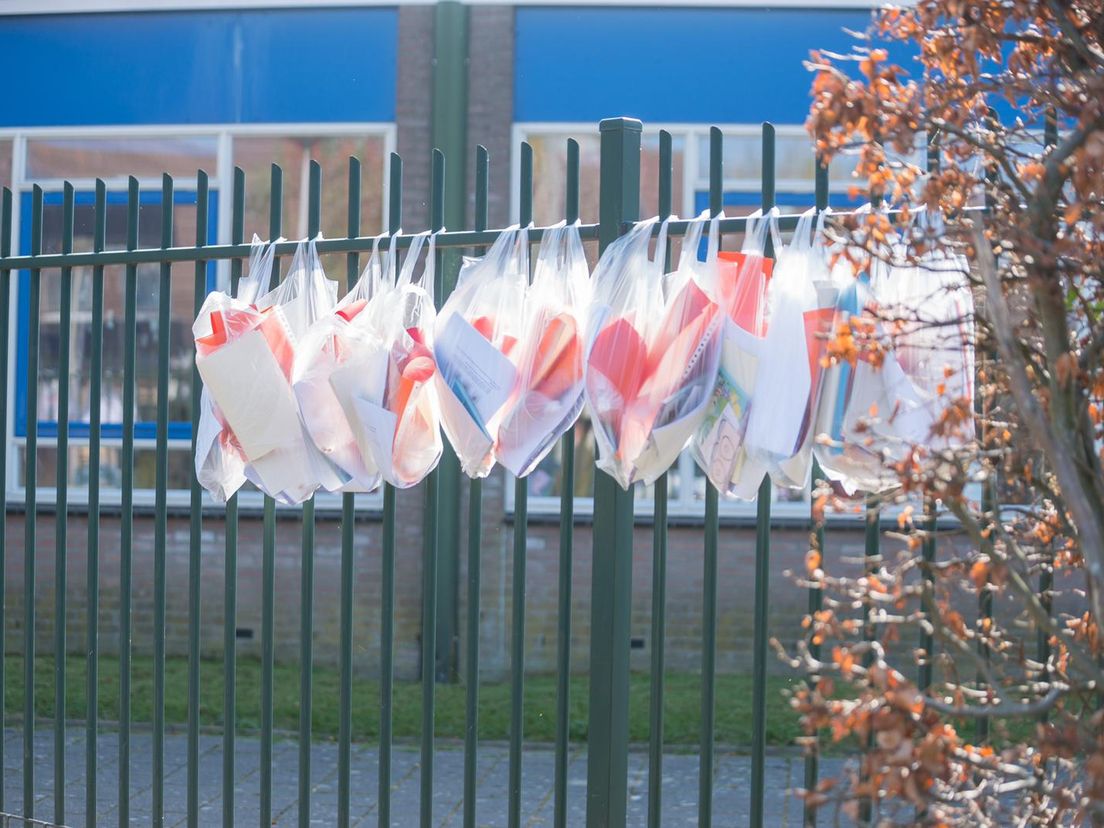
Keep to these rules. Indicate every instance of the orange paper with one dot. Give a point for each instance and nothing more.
(557, 361)
(349, 312)
(275, 332)
(742, 301)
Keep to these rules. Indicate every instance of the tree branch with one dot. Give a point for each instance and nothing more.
(1073, 34)
(1086, 518)
(1001, 709)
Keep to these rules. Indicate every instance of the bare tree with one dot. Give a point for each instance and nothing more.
(1008, 95)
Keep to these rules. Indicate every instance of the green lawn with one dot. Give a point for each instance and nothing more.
(682, 701)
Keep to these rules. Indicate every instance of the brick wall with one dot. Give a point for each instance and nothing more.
(684, 589)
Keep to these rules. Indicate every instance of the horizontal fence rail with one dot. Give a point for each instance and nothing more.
(611, 576)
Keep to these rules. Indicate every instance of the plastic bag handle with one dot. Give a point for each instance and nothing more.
(713, 244)
(692, 240)
(659, 262)
(303, 263)
(574, 243)
(510, 252)
(554, 245)
(390, 271)
(295, 270)
(756, 230)
(406, 275)
(564, 246)
(373, 271)
(818, 233)
(255, 281)
(429, 272)
(802, 237)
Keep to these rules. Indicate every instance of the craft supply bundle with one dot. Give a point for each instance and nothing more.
(732, 355)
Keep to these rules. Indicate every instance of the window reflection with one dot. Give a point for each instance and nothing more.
(256, 155)
(148, 334)
(87, 158)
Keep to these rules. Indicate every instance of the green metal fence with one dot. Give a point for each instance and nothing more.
(611, 576)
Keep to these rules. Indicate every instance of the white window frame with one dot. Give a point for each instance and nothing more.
(221, 181)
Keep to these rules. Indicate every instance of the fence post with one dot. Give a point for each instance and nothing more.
(449, 119)
(611, 579)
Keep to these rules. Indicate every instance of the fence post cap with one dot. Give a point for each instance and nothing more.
(633, 124)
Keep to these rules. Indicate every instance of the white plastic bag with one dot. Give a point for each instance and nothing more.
(852, 392)
(718, 445)
(219, 461)
(653, 349)
(331, 345)
(549, 358)
(476, 333)
(921, 317)
(799, 312)
(927, 313)
(388, 393)
(249, 378)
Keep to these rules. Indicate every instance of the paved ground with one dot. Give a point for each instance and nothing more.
(680, 783)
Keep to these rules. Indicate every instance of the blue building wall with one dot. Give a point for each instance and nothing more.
(295, 65)
(675, 65)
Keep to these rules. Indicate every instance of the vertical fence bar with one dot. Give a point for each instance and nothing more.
(348, 516)
(475, 547)
(126, 519)
(870, 557)
(990, 495)
(611, 572)
(30, 539)
(61, 515)
(449, 134)
(195, 524)
(1042, 637)
(160, 532)
(429, 564)
(92, 617)
(709, 574)
(5, 308)
(816, 530)
(306, 574)
(1046, 573)
(659, 557)
(927, 554)
(230, 562)
(927, 546)
(387, 561)
(567, 534)
(521, 520)
(762, 568)
(268, 556)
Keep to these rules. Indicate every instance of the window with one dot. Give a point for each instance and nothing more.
(50, 157)
(795, 185)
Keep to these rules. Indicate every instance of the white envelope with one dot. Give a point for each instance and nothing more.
(251, 391)
(472, 444)
(668, 441)
(329, 428)
(474, 368)
(286, 474)
(375, 431)
(531, 428)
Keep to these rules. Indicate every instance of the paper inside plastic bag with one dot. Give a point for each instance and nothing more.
(253, 395)
(475, 371)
